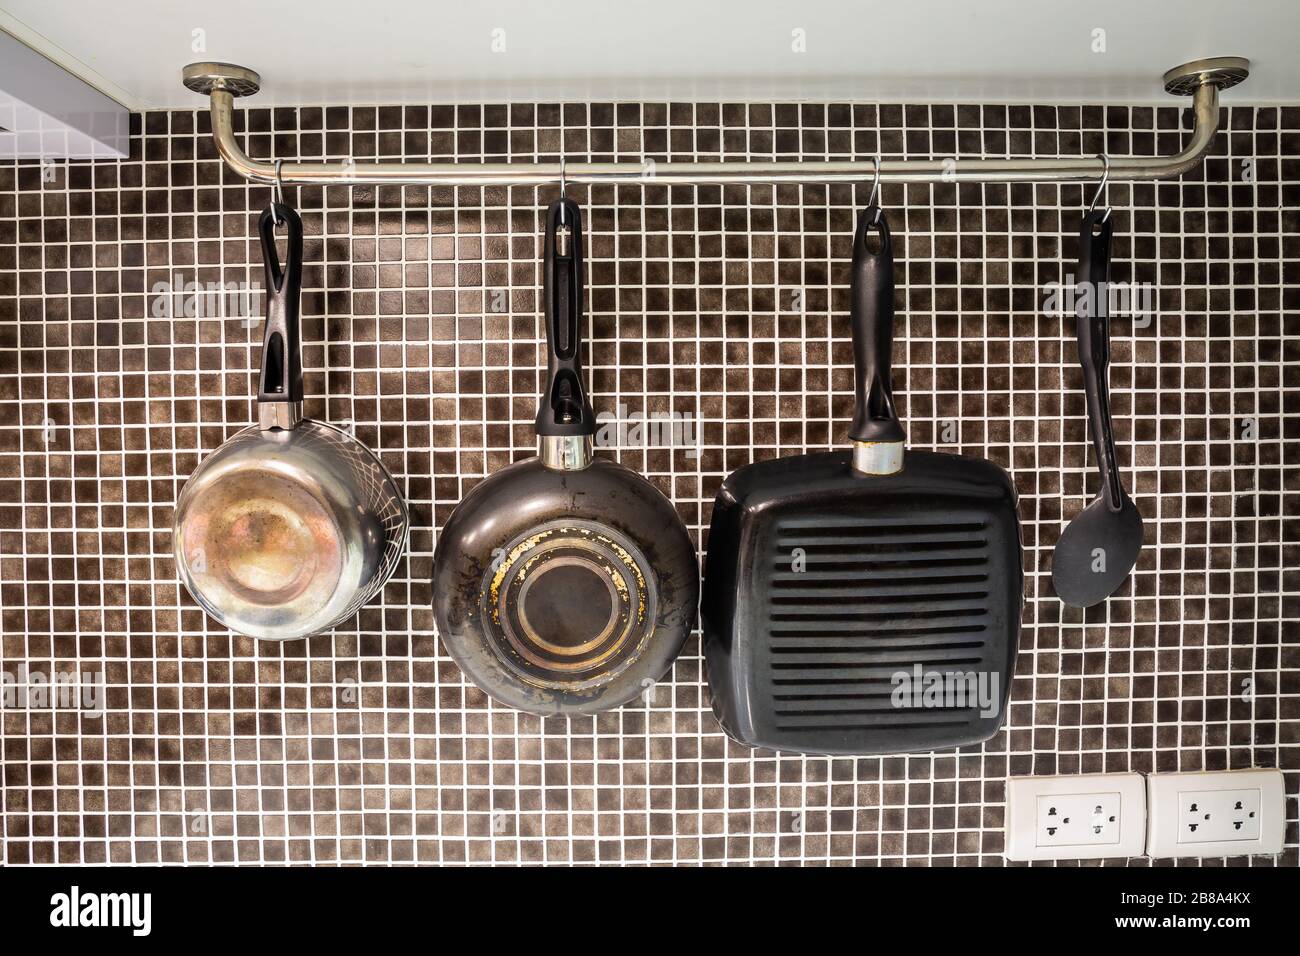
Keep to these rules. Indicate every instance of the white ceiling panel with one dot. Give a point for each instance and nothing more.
(400, 51)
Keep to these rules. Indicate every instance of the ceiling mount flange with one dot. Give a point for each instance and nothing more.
(208, 76)
(1224, 72)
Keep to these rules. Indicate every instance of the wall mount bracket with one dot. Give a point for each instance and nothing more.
(1202, 80)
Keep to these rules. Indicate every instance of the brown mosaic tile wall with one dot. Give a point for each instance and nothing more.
(727, 304)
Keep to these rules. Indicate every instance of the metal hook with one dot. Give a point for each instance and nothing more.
(278, 194)
(563, 187)
(562, 233)
(875, 190)
(1101, 187)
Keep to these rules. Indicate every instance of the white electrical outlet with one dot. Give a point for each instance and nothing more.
(1085, 816)
(1072, 819)
(1216, 813)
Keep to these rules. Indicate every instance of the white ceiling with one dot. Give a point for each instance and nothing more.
(395, 51)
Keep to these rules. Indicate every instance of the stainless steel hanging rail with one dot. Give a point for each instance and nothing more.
(1200, 79)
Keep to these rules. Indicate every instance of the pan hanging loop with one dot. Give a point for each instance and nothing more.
(875, 192)
(277, 194)
(562, 234)
(1101, 187)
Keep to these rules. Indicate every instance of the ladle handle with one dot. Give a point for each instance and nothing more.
(281, 375)
(1092, 310)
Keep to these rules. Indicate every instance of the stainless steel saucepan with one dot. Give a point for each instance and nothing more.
(292, 525)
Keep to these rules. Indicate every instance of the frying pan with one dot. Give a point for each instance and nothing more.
(292, 525)
(564, 583)
(831, 576)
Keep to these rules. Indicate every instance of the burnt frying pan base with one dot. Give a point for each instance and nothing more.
(568, 606)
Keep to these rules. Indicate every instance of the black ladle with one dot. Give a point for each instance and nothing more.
(1098, 549)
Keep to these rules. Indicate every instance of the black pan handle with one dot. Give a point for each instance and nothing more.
(564, 409)
(281, 375)
(1092, 310)
(872, 317)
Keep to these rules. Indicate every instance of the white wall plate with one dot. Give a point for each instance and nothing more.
(1215, 813)
(1081, 816)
